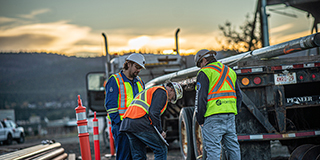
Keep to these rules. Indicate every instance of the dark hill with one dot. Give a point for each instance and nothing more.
(37, 78)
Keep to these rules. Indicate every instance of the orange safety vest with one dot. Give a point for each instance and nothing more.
(141, 104)
(125, 96)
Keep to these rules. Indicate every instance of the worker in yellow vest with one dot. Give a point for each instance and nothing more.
(218, 96)
(121, 88)
(142, 122)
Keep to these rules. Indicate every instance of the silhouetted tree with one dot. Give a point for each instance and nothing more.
(246, 38)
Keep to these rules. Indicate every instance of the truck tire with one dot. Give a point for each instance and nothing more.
(302, 151)
(9, 139)
(198, 147)
(20, 139)
(185, 133)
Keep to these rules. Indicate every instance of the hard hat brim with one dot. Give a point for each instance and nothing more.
(141, 65)
(207, 54)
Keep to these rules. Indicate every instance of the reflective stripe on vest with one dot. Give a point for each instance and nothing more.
(143, 104)
(122, 91)
(215, 92)
(125, 94)
(221, 93)
(143, 101)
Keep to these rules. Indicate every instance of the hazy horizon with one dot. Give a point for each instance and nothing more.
(74, 27)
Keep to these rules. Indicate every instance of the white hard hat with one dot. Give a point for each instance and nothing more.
(202, 54)
(178, 91)
(137, 58)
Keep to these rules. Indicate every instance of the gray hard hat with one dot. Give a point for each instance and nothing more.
(202, 54)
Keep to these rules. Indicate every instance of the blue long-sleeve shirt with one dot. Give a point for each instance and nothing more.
(112, 92)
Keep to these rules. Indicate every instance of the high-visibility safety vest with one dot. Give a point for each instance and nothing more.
(125, 95)
(222, 96)
(141, 104)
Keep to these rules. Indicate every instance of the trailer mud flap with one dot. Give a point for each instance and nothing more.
(280, 109)
(255, 150)
(257, 114)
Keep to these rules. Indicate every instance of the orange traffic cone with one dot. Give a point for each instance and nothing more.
(83, 131)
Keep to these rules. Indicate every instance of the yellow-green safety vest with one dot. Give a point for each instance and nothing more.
(222, 96)
(125, 96)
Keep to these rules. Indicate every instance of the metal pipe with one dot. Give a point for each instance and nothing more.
(38, 155)
(51, 154)
(51, 146)
(177, 48)
(295, 45)
(107, 63)
(264, 17)
(37, 152)
(61, 157)
(22, 152)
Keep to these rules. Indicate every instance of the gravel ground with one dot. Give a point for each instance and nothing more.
(71, 145)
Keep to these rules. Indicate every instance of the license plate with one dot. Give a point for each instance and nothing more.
(281, 79)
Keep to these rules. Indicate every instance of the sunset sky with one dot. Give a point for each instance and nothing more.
(74, 27)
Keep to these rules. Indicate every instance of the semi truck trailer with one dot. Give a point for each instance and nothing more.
(281, 101)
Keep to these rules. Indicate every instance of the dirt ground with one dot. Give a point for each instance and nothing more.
(71, 145)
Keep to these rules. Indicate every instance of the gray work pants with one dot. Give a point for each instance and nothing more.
(220, 129)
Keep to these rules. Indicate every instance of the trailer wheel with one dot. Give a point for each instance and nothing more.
(305, 152)
(185, 133)
(198, 147)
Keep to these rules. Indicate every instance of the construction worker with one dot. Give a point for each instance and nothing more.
(121, 88)
(217, 97)
(143, 114)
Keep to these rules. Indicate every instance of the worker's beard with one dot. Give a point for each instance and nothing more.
(134, 74)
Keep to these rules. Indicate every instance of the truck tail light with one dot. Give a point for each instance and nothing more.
(245, 81)
(257, 80)
(301, 77)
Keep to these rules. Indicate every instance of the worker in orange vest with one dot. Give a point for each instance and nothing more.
(142, 120)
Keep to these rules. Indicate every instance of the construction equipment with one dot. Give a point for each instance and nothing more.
(280, 100)
(156, 65)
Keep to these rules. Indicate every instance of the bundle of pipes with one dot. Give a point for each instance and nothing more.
(39, 152)
(288, 47)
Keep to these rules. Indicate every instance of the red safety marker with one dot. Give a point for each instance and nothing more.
(96, 138)
(83, 133)
(111, 139)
